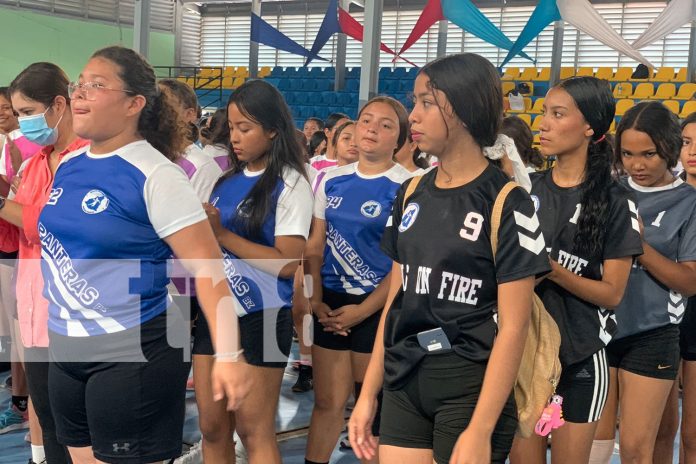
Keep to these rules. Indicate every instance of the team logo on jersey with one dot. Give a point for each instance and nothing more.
(371, 209)
(409, 217)
(634, 216)
(531, 227)
(244, 209)
(94, 202)
(535, 200)
(54, 196)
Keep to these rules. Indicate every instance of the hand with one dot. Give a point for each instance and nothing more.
(214, 218)
(319, 309)
(231, 379)
(362, 441)
(15, 153)
(343, 318)
(555, 270)
(472, 447)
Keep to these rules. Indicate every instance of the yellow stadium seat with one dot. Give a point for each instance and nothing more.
(229, 71)
(689, 107)
(604, 73)
(528, 74)
(585, 72)
(686, 91)
(205, 72)
(238, 81)
(612, 128)
(643, 91)
(673, 105)
(242, 71)
(622, 74)
(665, 92)
(567, 72)
(623, 90)
(680, 76)
(526, 118)
(537, 123)
(265, 71)
(623, 105)
(508, 86)
(544, 75)
(537, 140)
(538, 106)
(664, 74)
(227, 82)
(511, 74)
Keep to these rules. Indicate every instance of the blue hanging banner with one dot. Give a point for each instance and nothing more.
(329, 27)
(466, 15)
(264, 33)
(544, 14)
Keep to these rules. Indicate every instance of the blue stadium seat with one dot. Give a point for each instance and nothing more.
(314, 98)
(388, 86)
(277, 71)
(302, 72)
(343, 98)
(399, 73)
(352, 85)
(406, 85)
(308, 84)
(274, 81)
(353, 72)
(328, 98)
(285, 84)
(385, 73)
(330, 73)
(295, 83)
(323, 85)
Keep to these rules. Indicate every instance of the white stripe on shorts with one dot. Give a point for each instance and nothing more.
(601, 385)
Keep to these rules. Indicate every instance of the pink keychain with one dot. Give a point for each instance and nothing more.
(551, 418)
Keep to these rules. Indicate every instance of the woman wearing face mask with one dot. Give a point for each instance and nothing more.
(41, 89)
(448, 392)
(117, 212)
(349, 272)
(590, 224)
(644, 353)
(260, 212)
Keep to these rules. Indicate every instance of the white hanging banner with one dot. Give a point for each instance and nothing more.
(582, 15)
(675, 15)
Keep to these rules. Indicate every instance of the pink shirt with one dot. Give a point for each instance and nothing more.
(321, 162)
(26, 148)
(33, 193)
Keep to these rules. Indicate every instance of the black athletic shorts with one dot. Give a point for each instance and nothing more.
(129, 412)
(654, 353)
(262, 347)
(584, 387)
(687, 332)
(435, 406)
(361, 338)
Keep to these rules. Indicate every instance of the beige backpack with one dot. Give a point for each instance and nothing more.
(540, 368)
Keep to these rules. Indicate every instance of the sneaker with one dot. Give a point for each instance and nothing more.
(304, 380)
(194, 455)
(12, 419)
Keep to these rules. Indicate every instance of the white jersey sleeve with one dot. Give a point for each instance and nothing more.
(294, 210)
(171, 201)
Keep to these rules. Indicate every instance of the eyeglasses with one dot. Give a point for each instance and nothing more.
(89, 90)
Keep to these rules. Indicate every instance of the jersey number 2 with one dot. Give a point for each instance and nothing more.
(472, 226)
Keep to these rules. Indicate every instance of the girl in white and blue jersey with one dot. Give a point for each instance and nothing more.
(349, 271)
(118, 210)
(261, 213)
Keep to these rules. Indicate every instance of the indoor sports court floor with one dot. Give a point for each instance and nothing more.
(292, 421)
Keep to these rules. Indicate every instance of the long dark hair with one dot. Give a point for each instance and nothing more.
(188, 99)
(473, 88)
(314, 141)
(41, 82)
(690, 119)
(262, 103)
(159, 122)
(218, 131)
(518, 130)
(595, 101)
(656, 120)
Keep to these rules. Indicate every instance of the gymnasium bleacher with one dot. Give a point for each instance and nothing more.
(309, 90)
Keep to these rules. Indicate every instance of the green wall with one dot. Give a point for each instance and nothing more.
(27, 37)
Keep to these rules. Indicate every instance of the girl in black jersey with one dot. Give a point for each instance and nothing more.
(644, 353)
(664, 444)
(591, 228)
(447, 387)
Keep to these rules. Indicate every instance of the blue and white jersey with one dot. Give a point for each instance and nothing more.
(356, 208)
(104, 259)
(290, 214)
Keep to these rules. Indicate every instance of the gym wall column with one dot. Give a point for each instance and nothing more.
(442, 38)
(341, 44)
(141, 27)
(557, 52)
(369, 73)
(254, 46)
